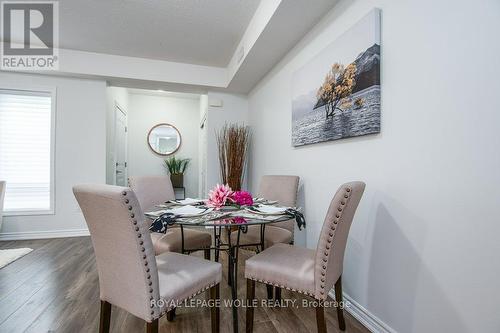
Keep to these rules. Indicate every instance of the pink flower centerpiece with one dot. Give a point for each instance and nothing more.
(222, 195)
(219, 196)
(242, 198)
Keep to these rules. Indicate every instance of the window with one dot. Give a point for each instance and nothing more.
(27, 150)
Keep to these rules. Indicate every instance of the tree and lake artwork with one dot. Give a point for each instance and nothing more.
(337, 94)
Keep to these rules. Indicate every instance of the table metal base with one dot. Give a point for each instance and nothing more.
(232, 251)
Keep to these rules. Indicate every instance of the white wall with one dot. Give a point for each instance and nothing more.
(423, 250)
(234, 109)
(202, 148)
(79, 153)
(114, 96)
(146, 111)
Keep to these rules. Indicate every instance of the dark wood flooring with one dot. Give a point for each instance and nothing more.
(55, 289)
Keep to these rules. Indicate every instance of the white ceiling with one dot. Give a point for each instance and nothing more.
(181, 45)
(203, 32)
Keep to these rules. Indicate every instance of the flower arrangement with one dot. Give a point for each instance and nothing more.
(223, 195)
(242, 198)
(218, 196)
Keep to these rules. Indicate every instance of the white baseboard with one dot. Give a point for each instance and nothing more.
(43, 234)
(365, 317)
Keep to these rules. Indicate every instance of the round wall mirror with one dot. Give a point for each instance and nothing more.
(164, 139)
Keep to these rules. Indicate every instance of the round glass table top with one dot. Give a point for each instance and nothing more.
(232, 220)
(224, 217)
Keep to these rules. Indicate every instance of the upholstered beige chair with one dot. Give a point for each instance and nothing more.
(284, 190)
(2, 196)
(130, 276)
(311, 272)
(155, 190)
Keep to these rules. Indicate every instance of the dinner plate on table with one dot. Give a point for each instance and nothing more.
(267, 210)
(187, 201)
(182, 211)
(189, 211)
(264, 201)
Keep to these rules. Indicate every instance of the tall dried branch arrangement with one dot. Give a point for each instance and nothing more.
(232, 141)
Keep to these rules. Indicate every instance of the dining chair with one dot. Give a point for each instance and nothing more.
(282, 189)
(155, 190)
(130, 276)
(310, 272)
(2, 196)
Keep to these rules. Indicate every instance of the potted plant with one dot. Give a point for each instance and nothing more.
(176, 167)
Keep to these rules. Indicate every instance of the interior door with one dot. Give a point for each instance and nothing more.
(120, 147)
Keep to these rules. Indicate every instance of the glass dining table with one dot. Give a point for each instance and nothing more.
(237, 221)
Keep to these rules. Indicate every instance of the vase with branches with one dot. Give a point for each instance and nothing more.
(176, 167)
(232, 141)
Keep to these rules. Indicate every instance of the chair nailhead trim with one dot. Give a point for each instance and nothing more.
(281, 286)
(166, 309)
(143, 249)
(331, 234)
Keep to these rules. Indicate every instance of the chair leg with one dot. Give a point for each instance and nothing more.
(320, 317)
(250, 299)
(171, 314)
(207, 254)
(339, 300)
(230, 267)
(269, 291)
(105, 319)
(277, 295)
(215, 310)
(152, 327)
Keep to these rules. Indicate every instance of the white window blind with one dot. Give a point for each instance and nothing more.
(25, 150)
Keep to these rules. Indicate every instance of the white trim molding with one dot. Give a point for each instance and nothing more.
(365, 317)
(43, 234)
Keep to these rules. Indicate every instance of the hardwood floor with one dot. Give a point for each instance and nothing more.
(55, 289)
